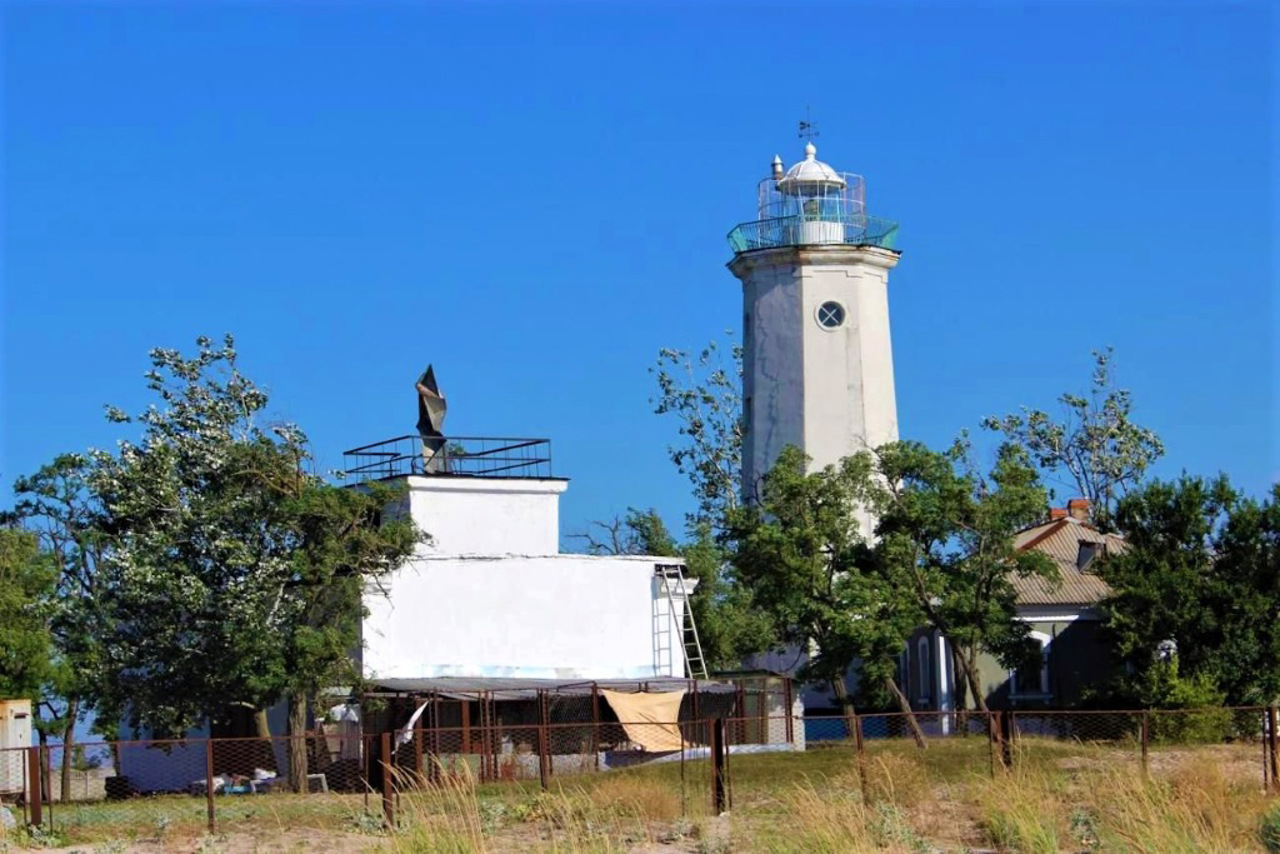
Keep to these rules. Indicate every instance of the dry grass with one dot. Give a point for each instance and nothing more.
(1023, 811)
(611, 815)
(634, 796)
(901, 780)
(1197, 809)
(1060, 797)
(817, 818)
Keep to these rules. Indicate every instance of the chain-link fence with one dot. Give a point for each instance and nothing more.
(114, 789)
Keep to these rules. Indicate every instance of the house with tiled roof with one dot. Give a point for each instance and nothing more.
(1061, 612)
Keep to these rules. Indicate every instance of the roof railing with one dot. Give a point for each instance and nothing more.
(814, 230)
(449, 456)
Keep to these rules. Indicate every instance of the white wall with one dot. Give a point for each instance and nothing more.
(488, 515)
(849, 400)
(830, 391)
(773, 365)
(542, 616)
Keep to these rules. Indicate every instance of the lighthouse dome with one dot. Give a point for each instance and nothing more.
(810, 175)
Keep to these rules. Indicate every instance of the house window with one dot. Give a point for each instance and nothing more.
(1032, 679)
(1086, 554)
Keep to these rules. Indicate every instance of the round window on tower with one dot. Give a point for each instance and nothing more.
(831, 315)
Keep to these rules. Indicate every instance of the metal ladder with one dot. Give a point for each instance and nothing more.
(671, 584)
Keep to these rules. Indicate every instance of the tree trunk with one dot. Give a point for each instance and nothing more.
(903, 703)
(68, 744)
(261, 724)
(298, 742)
(841, 691)
(267, 746)
(971, 674)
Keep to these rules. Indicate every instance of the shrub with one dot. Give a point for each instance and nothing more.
(1188, 708)
(1269, 830)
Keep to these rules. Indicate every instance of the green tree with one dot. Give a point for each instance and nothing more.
(729, 624)
(639, 532)
(702, 392)
(704, 395)
(1202, 570)
(233, 575)
(342, 540)
(800, 553)
(946, 537)
(1095, 448)
(27, 582)
(56, 504)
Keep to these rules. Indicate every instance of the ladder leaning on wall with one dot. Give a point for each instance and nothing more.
(672, 625)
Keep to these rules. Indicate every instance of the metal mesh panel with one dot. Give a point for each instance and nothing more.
(156, 788)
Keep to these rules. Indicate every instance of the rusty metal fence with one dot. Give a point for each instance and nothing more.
(223, 783)
(1243, 739)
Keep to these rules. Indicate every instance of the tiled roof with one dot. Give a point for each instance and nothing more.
(1060, 539)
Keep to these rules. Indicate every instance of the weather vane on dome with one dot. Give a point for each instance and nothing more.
(808, 128)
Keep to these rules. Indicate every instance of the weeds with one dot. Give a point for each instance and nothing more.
(1021, 812)
(1269, 829)
(1059, 797)
(1198, 809)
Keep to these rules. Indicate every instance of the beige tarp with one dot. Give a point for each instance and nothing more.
(649, 719)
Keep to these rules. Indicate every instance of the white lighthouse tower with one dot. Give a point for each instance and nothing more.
(817, 365)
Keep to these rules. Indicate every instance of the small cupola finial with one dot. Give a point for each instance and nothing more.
(810, 151)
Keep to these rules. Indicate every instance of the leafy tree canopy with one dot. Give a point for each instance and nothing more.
(705, 396)
(1202, 570)
(27, 581)
(1094, 448)
(947, 536)
(800, 553)
(231, 573)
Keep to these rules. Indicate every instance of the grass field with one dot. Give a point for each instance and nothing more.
(1059, 797)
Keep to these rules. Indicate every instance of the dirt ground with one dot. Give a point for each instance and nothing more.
(515, 841)
(271, 842)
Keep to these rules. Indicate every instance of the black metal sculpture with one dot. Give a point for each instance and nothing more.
(431, 412)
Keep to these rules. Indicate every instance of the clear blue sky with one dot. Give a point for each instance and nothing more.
(536, 200)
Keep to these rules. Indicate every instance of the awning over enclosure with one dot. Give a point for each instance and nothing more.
(510, 688)
(649, 720)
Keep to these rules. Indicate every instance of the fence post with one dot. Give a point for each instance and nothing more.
(861, 745)
(995, 732)
(1007, 736)
(544, 749)
(595, 725)
(1273, 745)
(34, 793)
(787, 705)
(717, 766)
(388, 801)
(208, 785)
(1146, 743)
(366, 766)
(434, 773)
(46, 783)
(991, 741)
(417, 753)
